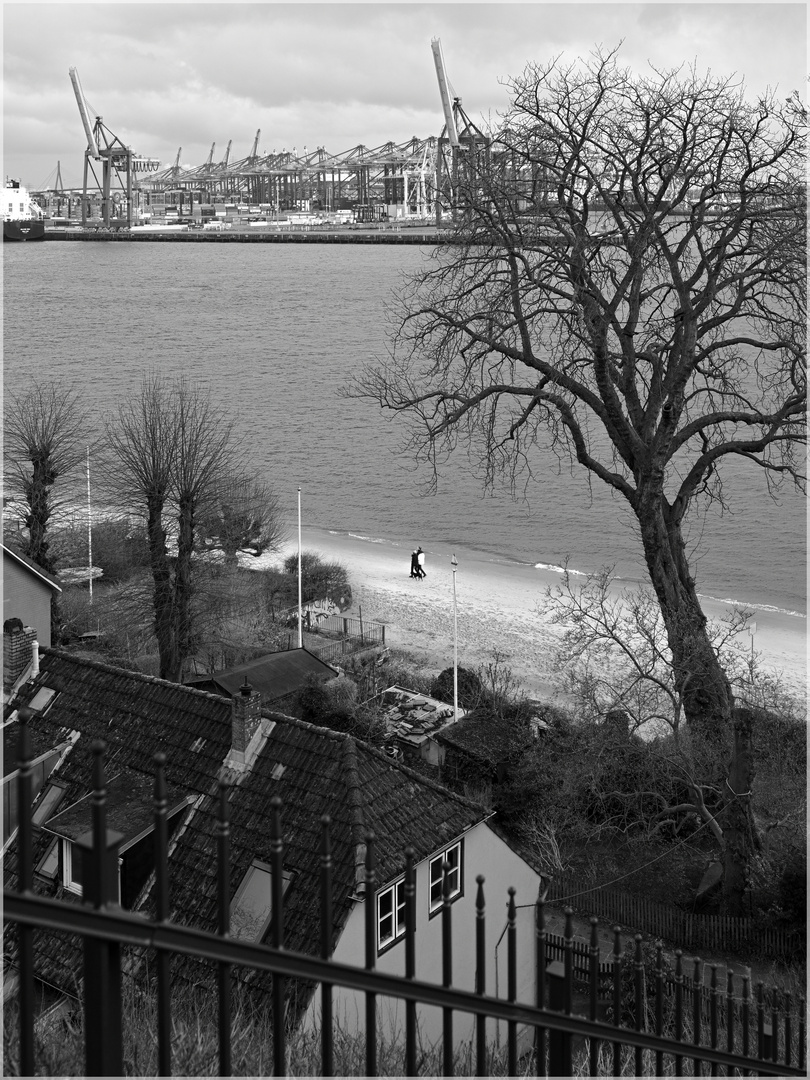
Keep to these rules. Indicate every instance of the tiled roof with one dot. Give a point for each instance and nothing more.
(315, 771)
(274, 675)
(136, 716)
(486, 737)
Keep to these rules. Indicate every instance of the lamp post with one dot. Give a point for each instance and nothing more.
(454, 564)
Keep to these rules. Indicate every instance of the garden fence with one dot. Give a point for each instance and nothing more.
(714, 933)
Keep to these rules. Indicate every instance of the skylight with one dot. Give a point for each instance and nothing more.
(252, 906)
(42, 699)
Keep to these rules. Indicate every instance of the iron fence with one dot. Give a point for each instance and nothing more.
(567, 1033)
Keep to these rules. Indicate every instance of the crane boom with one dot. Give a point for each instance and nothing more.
(92, 145)
(441, 74)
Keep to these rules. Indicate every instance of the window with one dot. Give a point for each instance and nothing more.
(48, 803)
(252, 906)
(71, 867)
(48, 865)
(452, 856)
(390, 915)
(42, 699)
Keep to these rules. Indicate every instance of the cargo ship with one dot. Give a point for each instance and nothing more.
(22, 218)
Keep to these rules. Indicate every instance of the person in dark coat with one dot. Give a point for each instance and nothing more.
(420, 563)
(414, 563)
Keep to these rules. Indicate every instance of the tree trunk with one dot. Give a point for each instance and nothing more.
(182, 587)
(165, 629)
(708, 701)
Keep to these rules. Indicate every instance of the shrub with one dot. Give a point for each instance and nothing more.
(320, 580)
(470, 689)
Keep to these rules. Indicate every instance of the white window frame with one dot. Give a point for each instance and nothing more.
(67, 868)
(396, 915)
(456, 877)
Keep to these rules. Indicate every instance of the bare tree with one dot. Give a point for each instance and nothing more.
(171, 452)
(45, 439)
(626, 288)
(245, 515)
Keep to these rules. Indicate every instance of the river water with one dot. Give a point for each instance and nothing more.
(276, 331)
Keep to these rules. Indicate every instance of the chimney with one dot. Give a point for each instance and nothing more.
(18, 641)
(246, 728)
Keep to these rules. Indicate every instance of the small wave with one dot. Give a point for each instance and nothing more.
(558, 569)
(358, 536)
(756, 607)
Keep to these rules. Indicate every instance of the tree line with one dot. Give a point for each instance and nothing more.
(166, 457)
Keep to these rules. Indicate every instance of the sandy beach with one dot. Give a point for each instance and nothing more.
(497, 604)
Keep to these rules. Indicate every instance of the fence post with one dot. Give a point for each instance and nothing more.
(223, 833)
(540, 961)
(638, 973)
(164, 1005)
(410, 959)
(102, 959)
(277, 935)
(480, 978)
(327, 867)
(447, 970)
(24, 883)
(593, 988)
(559, 1042)
(370, 900)
(511, 976)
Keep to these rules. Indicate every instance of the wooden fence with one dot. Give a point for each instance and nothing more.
(714, 933)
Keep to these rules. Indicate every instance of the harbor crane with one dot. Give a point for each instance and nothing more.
(118, 164)
(460, 136)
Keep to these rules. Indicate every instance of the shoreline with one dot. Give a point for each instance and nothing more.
(497, 604)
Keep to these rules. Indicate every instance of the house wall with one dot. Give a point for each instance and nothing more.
(26, 598)
(484, 853)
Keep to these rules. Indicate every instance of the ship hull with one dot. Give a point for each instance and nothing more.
(24, 229)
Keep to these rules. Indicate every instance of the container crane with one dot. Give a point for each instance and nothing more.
(460, 134)
(116, 158)
(444, 91)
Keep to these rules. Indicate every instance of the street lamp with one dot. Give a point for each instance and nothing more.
(454, 564)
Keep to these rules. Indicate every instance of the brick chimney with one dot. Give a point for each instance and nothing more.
(18, 650)
(246, 728)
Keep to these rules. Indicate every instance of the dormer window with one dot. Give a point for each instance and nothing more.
(129, 812)
(252, 905)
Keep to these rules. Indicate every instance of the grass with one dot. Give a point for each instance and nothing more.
(59, 1044)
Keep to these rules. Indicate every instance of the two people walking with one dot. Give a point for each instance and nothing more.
(418, 563)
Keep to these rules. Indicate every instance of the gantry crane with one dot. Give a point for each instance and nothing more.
(116, 158)
(464, 140)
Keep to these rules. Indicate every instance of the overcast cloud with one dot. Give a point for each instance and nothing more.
(334, 75)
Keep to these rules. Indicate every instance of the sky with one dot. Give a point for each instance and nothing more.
(165, 75)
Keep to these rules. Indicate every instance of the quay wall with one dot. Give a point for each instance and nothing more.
(383, 236)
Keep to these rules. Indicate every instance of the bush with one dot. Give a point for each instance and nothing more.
(320, 580)
(470, 689)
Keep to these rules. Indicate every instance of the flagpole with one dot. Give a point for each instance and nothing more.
(89, 530)
(300, 617)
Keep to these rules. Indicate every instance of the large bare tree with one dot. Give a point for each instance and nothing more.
(625, 286)
(174, 461)
(44, 441)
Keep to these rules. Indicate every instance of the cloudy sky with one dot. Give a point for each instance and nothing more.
(335, 75)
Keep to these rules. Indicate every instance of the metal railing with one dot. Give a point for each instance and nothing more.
(750, 1043)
